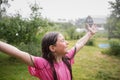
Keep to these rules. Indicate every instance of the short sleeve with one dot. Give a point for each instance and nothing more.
(39, 64)
(71, 54)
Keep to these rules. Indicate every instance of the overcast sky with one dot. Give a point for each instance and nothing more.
(64, 9)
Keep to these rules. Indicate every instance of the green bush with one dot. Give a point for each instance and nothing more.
(115, 47)
(31, 48)
(90, 42)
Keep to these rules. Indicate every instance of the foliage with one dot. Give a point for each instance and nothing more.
(69, 30)
(101, 35)
(113, 22)
(32, 48)
(35, 8)
(25, 33)
(90, 42)
(9, 27)
(3, 5)
(115, 47)
(116, 8)
(28, 32)
(78, 35)
(15, 30)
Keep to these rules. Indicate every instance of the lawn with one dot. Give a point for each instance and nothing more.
(90, 64)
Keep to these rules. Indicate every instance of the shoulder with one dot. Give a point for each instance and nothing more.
(71, 52)
(39, 62)
(40, 59)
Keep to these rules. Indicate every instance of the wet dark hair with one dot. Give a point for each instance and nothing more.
(51, 39)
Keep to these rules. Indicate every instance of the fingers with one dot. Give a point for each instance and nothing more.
(92, 29)
(88, 27)
(94, 26)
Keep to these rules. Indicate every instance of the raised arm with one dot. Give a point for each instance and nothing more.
(13, 51)
(81, 42)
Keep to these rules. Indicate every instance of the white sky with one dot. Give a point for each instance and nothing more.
(64, 9)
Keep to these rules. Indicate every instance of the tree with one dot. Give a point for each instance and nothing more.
(116, 8)
(11, 29)
(15, 30)
(3, 5)
(35, 8)
(113, 22)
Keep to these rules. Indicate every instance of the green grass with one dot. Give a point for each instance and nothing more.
(90, 64)
(11, 69)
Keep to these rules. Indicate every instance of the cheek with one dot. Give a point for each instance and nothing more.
(61, 48)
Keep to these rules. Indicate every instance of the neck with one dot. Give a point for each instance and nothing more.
(58, 58)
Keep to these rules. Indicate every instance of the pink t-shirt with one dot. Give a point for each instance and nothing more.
(43, 71)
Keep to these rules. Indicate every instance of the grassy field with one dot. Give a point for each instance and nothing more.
(90, 64)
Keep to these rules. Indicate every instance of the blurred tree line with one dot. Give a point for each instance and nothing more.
(113, 22)
(23, 33)
(15, 30)
(113, 26)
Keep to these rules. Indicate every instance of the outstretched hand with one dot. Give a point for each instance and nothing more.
(92, 29)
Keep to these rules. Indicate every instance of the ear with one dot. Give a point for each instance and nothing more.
(52, 48)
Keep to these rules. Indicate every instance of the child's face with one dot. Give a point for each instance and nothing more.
(61, 45)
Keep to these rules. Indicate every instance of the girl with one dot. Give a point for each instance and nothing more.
(56, 60)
